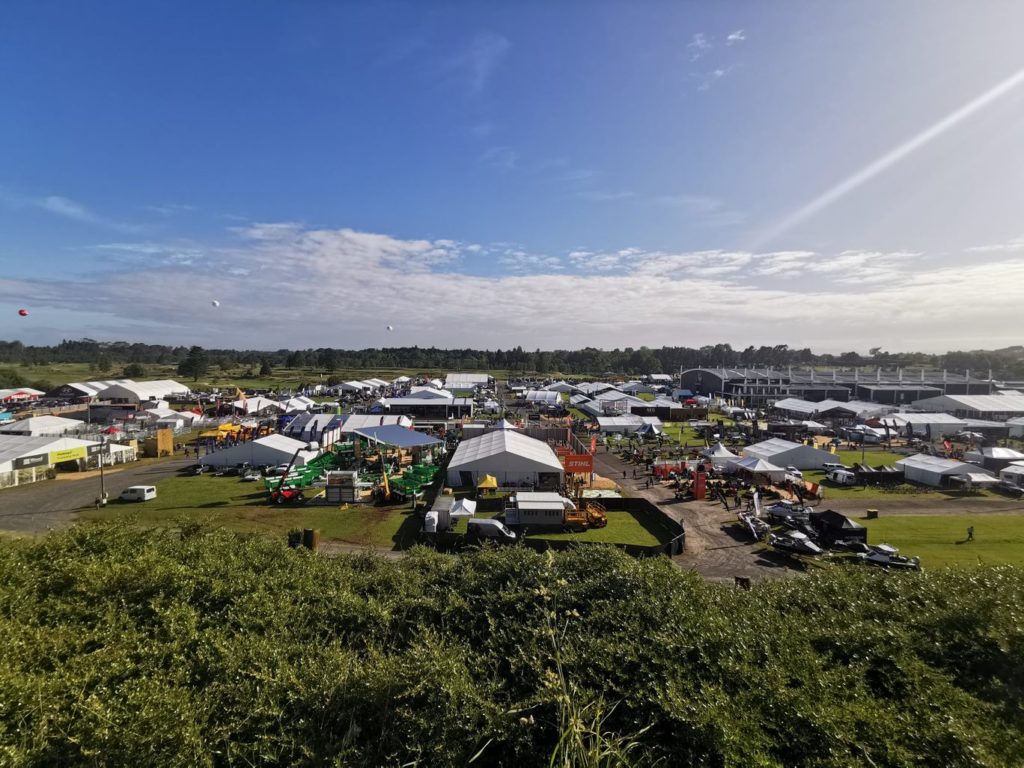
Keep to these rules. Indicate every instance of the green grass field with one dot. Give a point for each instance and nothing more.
(282, 378)
(579, 415)
(874, 458)
(229, 503)
(941, 540)
(867, 493)
(622, 528)
(682, 433)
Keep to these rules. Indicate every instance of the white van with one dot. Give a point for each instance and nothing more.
(487, 528)
(841, 477)
(138, 493)
(829, 466)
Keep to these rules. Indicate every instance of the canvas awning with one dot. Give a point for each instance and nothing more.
(976, 478)
(650, 429)
(758, 467)
(718, 451)
(463, 508)
(398, 436)
(488, 481)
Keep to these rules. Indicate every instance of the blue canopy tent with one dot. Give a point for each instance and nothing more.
(397, 436)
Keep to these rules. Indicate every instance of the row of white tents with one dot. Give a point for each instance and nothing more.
(770, 459)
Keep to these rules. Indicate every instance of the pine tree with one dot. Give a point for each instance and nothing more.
(195, 364)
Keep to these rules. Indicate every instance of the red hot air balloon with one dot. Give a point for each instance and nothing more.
(23, 312)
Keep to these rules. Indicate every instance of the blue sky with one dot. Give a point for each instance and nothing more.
(493, 174)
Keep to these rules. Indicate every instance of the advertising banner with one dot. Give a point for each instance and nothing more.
(68, 454)
(579, 463)
(27, 462)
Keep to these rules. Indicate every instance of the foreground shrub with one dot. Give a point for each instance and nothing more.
(191, 648)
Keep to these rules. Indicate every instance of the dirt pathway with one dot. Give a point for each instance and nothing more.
(716, 547)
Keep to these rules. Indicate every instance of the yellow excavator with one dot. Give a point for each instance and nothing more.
(588, 514)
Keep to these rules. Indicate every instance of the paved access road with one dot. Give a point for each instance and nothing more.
(715, 548)
(53, 504)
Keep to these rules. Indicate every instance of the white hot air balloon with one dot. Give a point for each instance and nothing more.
(214, 303)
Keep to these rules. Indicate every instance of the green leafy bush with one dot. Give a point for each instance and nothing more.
(198, 648)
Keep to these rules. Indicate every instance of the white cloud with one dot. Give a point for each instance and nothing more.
(152, 253)
(1015, 245)
(709, 211)
(66, 208)
(736, 37)
(698, 46)
(500, 158)
(520, 261)
(481, 129)
(285, 285)
(479, 59)
(168, 209)
(845, 268)
(577, 175)
(598, 196)
(707, 79)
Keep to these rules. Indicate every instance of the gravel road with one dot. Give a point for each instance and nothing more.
(53, 504)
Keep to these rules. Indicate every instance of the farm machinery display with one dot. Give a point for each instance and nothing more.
(389, 485)
(587, 514)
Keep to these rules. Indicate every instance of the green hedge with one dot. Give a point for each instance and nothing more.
(205, 648)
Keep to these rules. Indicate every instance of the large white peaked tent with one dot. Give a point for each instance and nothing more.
(253, 405)
(511, 457)
(930, 470)
(758, 467)
(719, 455)
(271, 451)
(786, 453)
(43, 425)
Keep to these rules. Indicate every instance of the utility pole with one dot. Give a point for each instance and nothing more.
(100, 457)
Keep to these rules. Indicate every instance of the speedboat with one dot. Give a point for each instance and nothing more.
(795, 542)
(758, 528)
(887, 556)
(788, 509)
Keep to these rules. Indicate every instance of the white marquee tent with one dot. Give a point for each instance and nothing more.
(758, 467)
(787, 453)
(271, 450)
(929, 470)
(719, 455)
(508, 455)
(43, 425)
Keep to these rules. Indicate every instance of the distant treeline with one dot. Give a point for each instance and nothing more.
(1006, 363)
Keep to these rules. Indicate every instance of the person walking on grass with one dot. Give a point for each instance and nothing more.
(970, 533)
